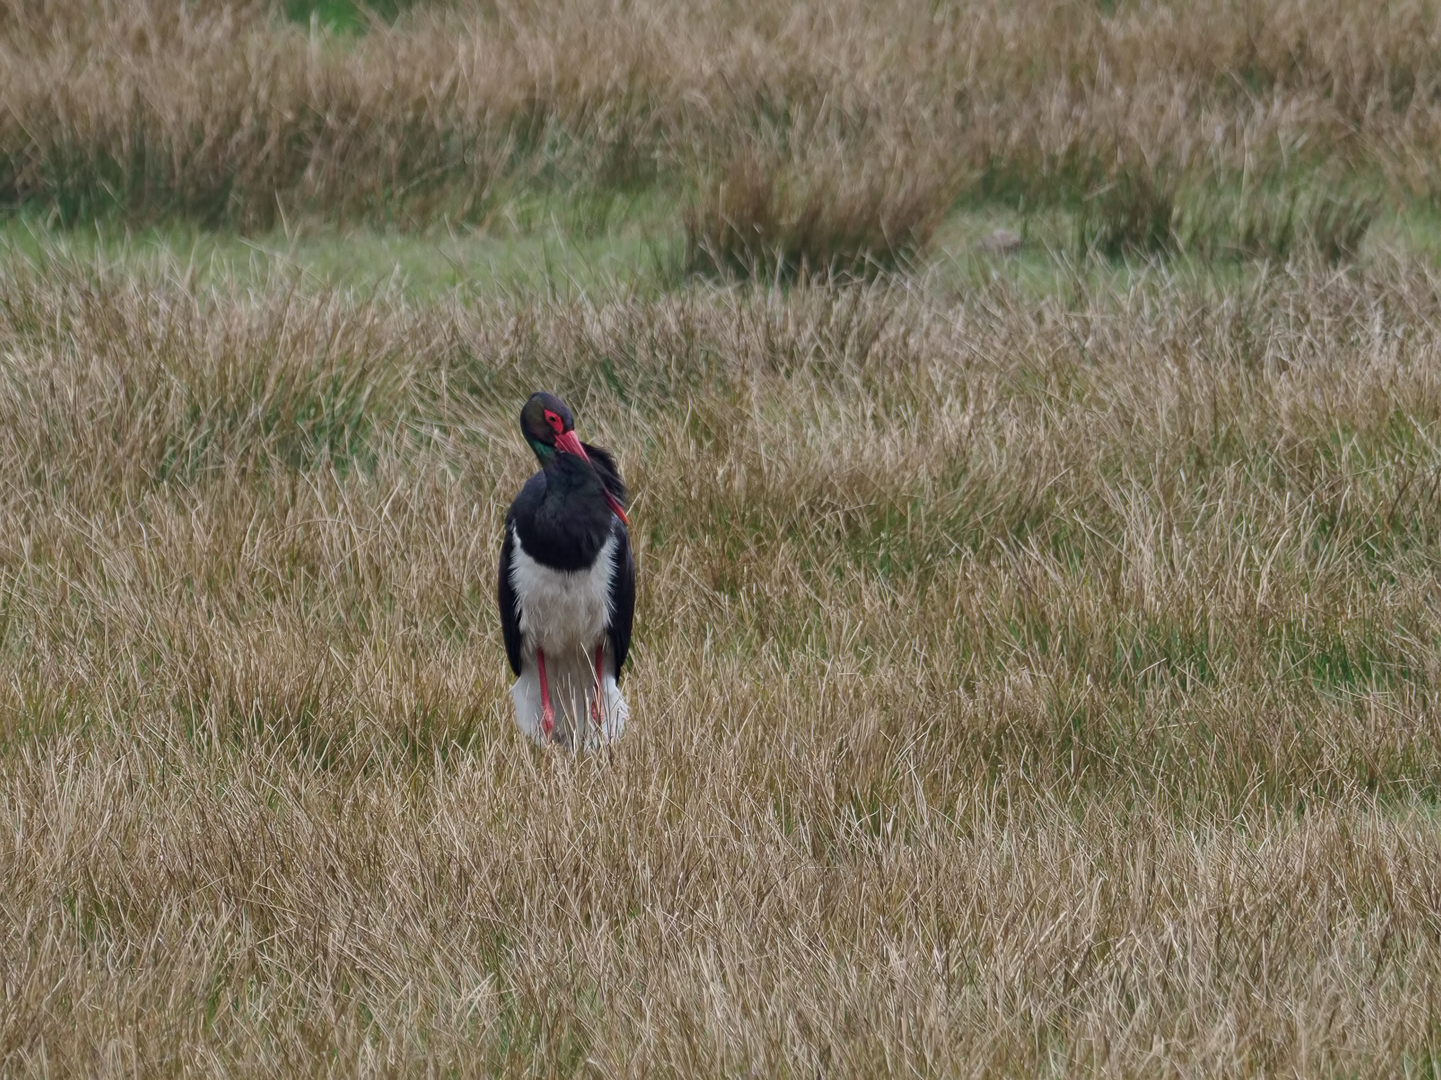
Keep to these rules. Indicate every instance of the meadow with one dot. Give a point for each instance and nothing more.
(1038, 647)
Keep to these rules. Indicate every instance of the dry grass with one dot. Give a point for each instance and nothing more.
(1027, 682)
(842, 214)
(1022, 687)
(870, 119)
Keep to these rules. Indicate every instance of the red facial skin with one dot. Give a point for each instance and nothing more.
(567, 442)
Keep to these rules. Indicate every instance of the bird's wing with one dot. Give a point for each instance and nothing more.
(506, 599)
(622, 598)
(609, 472)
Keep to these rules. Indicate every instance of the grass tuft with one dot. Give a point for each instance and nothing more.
(1131, 213)
(1275, 221)
(772, 219)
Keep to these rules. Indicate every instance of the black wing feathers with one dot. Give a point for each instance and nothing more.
(622, 598)
(622, 582)
(506, 598)
(605, 467)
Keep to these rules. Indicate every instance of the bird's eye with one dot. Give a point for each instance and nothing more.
(556, 423)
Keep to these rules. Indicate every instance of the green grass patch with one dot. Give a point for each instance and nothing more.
(346, 16)
(546, 245)
(1352, 659)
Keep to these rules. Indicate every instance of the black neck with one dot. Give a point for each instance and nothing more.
(566, 520)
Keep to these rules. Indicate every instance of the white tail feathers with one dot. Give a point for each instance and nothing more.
(571, 676)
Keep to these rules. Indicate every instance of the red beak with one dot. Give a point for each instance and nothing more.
(567, 442)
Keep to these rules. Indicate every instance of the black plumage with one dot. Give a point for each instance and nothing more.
(562, 518)
(569, 540)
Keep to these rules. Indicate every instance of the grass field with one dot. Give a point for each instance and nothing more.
(1038, 656)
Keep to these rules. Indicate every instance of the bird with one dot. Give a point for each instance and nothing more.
(566, 586)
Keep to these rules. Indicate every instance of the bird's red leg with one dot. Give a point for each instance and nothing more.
(599, 683)
(547, 714)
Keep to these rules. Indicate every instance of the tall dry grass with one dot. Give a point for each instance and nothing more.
(871, 120)
(1022, 686)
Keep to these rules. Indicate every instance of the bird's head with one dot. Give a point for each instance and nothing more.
(547, 424)
(549, 427)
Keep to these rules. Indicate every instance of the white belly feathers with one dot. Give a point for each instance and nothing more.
(562, 610)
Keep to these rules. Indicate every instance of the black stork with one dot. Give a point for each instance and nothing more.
(566, 585)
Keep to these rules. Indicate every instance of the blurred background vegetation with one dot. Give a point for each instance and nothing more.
(735, 137)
